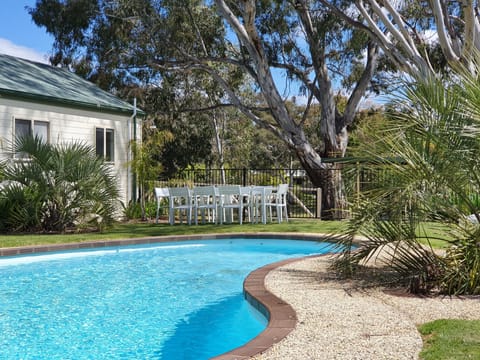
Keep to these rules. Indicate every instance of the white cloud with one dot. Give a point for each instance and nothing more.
(9, 48)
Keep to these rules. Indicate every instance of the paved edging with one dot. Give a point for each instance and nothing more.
(282, 317)
(25, 250)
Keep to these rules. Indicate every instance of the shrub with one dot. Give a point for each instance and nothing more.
(55, 187)
(434, 129)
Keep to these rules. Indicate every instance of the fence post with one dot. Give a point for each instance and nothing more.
(359, 172)
(244, 177)
(319, 203)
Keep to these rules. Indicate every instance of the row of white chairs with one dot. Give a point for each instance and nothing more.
(218, 203)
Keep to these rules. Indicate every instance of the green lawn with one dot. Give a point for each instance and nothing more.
(450, 339)
(436, 233)
(136, 230)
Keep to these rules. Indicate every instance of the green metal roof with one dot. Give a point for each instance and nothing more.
(30, 81)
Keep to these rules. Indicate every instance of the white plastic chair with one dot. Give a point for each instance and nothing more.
(180, 198)
(205, 201)
(230, 198)
(160, 194)
(278, 200)
(246, 197)
(261, 195)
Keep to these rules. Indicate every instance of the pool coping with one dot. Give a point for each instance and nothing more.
(92, 244)
(282, 318)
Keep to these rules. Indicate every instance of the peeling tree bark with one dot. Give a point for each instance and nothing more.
(333, 126)
(458, 47)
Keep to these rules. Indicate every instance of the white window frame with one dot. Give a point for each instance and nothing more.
(108, 151)
(31, 131)
(32, 127)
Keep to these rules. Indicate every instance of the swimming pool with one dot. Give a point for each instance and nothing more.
(179, 300)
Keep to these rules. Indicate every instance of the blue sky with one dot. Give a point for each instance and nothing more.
(19, 36)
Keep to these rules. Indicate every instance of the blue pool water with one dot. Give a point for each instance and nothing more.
(181, 300)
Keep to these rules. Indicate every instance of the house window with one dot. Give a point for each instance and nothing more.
(32, 127)
(104, 143)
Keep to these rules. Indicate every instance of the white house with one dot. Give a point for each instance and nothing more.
(61, 107)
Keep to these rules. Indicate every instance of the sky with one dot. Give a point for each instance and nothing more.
(19, 36)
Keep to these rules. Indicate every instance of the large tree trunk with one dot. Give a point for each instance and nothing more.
(327, 177)
(333, 126)
(334, 201)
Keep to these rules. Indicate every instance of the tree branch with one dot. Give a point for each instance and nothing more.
(443, 36)
(387, 46)
(216, 106)
(362, 84)
(240, 105)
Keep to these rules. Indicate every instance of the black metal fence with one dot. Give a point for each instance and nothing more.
(304, 199)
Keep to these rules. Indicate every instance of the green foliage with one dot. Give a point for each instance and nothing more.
(145, 165)
(134, 211)
(165, 55)
(462, 275)
(55, 187)
(451, 339)
(430, 147)
(68, 21)
(191, 142)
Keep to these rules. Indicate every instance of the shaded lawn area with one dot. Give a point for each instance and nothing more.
(450, 339)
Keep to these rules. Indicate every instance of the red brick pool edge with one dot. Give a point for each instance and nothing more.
(282, 317)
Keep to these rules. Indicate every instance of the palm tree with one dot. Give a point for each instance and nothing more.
(431, 149)
(54, 187)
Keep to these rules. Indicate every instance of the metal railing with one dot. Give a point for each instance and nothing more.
(304, 199)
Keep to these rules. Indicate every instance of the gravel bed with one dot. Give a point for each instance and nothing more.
(339, 319)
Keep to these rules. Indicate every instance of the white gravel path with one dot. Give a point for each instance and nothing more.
(337, 319)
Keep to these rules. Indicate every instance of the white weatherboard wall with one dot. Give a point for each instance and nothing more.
(67, 125)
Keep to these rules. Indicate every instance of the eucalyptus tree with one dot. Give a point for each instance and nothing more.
(418, 37)
(140, 41)
(99, 41)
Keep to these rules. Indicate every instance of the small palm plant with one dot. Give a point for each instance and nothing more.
(431, 148)
(55, 187)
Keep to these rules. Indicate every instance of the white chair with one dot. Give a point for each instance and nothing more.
(180, 198)
(278, 200)
(260, 197)
(160, 194)
(230, 198)
(246, 196)
(205, 201)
